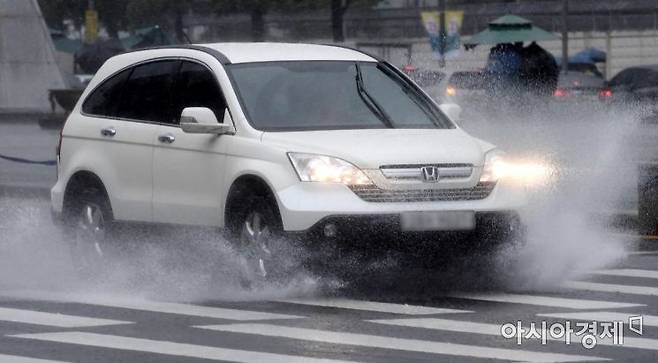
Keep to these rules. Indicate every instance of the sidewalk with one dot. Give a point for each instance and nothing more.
(21, 136)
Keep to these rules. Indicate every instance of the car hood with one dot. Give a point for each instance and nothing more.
(370, 149)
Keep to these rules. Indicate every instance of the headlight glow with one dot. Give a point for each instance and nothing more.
(524, 172)
(327, 169)
(494, 166)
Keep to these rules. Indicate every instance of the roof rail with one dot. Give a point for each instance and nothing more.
(223, 59)
(378, 58)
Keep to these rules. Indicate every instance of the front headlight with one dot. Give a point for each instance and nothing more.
(321, 168)
(526, 172)
(494, 166)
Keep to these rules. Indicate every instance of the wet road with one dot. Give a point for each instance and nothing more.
(47, 313)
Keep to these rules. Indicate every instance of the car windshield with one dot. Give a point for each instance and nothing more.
(331, 95)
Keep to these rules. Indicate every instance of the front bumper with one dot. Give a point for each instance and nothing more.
(495, 224)
(304, 205)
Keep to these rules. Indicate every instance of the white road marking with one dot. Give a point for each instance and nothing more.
(195, 310)
(647, 320)
(52, 319)
(154, 306)
(641, 253)
(546, 301)
(627, 272)
(17, 359)
(167, 348)
(373, 306)
(494, 329)
(412, 345)
(623, 289)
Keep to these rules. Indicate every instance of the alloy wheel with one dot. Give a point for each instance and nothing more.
(90, 236)
(256, 238)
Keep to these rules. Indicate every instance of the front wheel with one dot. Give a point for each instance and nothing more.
(258, 236)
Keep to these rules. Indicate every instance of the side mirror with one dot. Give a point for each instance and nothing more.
(202, 120)
(452, 110)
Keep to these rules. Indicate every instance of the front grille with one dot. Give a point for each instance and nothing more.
(372, 193)
(414, 172)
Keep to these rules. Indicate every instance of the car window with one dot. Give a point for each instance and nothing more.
(324, 95)
(196, 86)
(627, 78)
(146, 94)
(104, 99)
(649, 79)
(397, 100)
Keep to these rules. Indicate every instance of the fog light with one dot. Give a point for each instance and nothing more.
(330, 230)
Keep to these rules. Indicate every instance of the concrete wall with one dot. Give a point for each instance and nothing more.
(28, 66)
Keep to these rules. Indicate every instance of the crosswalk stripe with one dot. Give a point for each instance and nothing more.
(196, 310)
(157, 307)
(373, 306)
(18, 359)
(52, 319)
(167, 348)
(629, 272)
(647, 320)
(413, 345)
(546, 301)
(599, 287)
(493, 329)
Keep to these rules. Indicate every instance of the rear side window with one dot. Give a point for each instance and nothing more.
(146, 94)
(648, 79)
(197, 87)
(627, 78)
(104, 100)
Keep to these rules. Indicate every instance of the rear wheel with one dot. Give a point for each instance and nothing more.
(88, 232)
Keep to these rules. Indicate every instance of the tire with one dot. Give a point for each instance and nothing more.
(496, 233)
(88, 231)
(257, 235)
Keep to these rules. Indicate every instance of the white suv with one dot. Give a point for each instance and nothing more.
(267, 138)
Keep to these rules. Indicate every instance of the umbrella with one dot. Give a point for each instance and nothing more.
(588, 55)
(509, 29)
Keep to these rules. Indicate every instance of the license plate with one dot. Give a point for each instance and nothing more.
(438, 221)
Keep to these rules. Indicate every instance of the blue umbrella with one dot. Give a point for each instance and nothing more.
(588, 55)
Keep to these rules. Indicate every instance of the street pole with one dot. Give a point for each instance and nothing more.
(565, 36)
(442, 33)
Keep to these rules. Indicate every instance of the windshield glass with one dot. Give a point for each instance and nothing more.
(330, 95)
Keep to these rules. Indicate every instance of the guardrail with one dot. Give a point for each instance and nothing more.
(28, 161)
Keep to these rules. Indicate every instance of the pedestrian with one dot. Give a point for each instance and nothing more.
(503, 70)
(539, 71)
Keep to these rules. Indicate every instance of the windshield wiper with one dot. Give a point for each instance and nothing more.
(414, 94)
(373, 106)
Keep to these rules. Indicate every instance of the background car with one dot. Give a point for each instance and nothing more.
(634, 88)
(466, 88)
(579, 87)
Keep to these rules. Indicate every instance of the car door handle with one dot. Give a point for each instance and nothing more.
(108, 131)
(166, 138)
